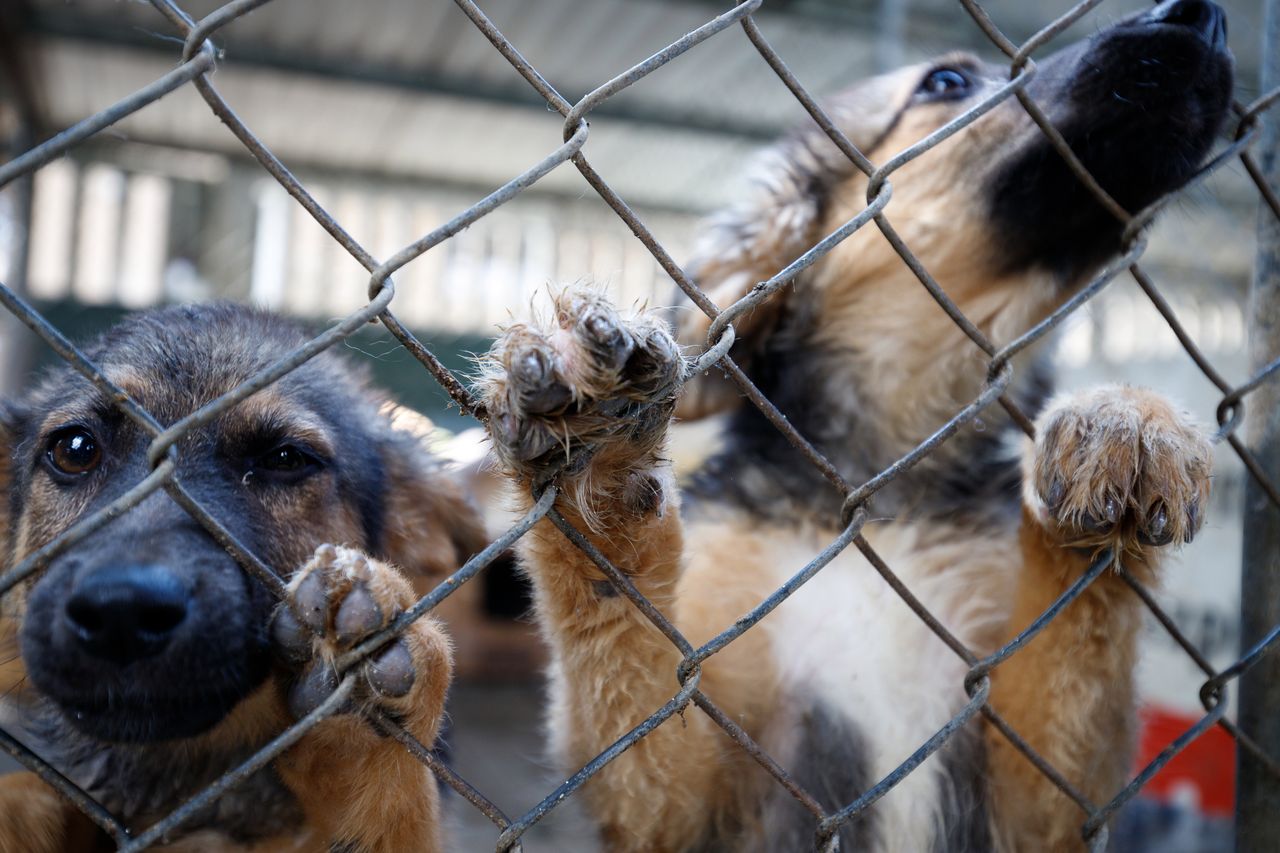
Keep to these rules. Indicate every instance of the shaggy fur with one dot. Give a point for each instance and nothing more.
(843, 681)
(150, 663)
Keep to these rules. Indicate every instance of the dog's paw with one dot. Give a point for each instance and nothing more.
(595, 378)
(339, 598)
(1119, 466)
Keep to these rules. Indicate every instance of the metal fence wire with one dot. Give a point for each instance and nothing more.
(199, 58)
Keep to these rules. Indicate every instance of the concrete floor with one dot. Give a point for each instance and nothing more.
(497, 745)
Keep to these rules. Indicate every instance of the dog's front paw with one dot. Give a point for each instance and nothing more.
(595, 378)
(1119, 466)
(339, 598)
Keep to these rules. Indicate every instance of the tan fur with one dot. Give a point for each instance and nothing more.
(902, 335)
(863, 281)
(434, 530)
(1116, 468)
(1069, 692)
(876, 355)
(354, 785)
(1121, 455)
(33, 819)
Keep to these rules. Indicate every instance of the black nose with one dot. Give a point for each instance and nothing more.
(1204, 17)
(127, 613)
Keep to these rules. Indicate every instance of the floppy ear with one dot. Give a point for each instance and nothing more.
(430, 525)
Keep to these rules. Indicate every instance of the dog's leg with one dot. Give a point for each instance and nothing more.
(1115, 467)
(36, 819)
(600, 389)
(363, 790)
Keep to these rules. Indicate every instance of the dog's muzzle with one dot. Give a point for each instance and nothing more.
(1200, 16)
(1139, 104)
(124, 614)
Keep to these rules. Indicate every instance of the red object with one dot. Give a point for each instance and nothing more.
(1208, 764)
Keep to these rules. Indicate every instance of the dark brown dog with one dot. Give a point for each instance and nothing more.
(149, 661)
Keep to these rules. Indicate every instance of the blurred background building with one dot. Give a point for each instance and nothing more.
(397, 114)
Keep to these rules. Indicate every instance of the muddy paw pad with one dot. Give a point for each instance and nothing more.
(590, 377)
(338, 599)
(1120, 465)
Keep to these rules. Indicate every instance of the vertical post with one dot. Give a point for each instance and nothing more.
(1258, 792)
(891, 34)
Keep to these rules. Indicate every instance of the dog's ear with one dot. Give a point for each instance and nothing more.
(430, 526)
(12, 422)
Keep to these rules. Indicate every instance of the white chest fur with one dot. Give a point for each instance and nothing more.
(848, 641)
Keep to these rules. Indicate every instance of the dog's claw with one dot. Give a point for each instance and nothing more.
(654, 364)
(539, 390)
(1121, 467)
(1111, 510)
(596, 378)
(1093, 524)
(1057, 490)
(532, 369)
(1157, 530)
(1193, 520)
(643, 493)
(607, 337)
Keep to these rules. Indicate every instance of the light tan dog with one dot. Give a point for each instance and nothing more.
(842, 682)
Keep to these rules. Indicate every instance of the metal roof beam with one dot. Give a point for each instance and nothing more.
(109, 32)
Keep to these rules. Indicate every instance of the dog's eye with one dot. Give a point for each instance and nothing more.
(287, 463)
(73, 451)
(944, 82)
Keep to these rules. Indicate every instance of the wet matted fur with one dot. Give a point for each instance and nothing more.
(842, 682)
(150, 663)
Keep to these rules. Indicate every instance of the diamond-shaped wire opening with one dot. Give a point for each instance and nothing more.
(198, 59)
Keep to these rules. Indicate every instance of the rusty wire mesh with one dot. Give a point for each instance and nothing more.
(199, 58)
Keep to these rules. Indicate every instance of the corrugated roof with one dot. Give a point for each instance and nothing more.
(410, 87)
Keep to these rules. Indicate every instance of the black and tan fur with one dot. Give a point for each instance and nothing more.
(842, 682)
(144, 662)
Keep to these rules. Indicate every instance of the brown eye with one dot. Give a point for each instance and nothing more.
(284, 460)
(285, 463)
(73, 451)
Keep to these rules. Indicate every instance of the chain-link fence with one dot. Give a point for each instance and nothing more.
(199, 58)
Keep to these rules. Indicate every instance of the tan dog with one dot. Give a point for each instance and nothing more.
(150, 662)
(842, 682)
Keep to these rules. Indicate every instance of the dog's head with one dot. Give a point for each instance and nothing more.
(993, 212)
(148, 630)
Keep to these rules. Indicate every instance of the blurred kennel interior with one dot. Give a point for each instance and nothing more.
(400, 115)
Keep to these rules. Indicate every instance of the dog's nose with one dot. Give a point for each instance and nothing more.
(1204, 17)
(127, 613)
